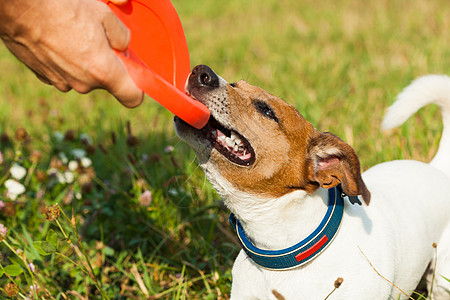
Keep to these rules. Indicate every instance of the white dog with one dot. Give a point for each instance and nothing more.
(293, 193)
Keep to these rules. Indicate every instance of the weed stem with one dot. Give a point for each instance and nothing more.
(390, 282)
(83, 250)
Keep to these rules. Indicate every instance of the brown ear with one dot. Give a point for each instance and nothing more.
(334, 162)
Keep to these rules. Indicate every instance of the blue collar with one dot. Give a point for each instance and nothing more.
(303, 251)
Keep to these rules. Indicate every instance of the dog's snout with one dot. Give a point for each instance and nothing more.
(203, 76)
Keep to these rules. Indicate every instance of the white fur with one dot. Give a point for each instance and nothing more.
(430, 89)
(409, 211)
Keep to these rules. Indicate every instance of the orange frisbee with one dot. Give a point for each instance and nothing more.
(157, 57)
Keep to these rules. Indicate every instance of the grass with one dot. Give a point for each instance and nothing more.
(341, 63)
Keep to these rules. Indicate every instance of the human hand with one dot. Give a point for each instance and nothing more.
(69, 44)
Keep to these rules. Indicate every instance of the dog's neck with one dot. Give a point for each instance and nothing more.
(274, 223)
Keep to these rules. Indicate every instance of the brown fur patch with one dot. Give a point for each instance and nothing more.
(290, 153)
(281, 148)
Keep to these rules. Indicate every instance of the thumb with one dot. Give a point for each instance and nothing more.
(122, 86)
(117, 33)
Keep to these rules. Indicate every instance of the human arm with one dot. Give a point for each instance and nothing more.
(69, 44)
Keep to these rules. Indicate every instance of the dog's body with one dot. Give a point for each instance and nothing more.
(395, 233)
(272, 168)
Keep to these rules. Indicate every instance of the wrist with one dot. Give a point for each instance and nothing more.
(12, 13)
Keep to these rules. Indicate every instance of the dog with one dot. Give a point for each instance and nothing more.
(311, 225)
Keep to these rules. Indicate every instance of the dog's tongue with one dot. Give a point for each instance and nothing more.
(245, 155)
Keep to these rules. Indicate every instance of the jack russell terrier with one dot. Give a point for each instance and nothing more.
(300, 205)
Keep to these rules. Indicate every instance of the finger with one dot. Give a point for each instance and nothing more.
(127, 93)
(50, 77)
(62, 86)
(43, 78)
(122, 86)
(118, 34)
(129, 98)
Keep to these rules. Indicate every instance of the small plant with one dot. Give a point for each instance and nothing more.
(78, 219)
(337, 284)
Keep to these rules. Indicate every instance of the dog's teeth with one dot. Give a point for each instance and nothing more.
(238, 141)
(222, 138)
(229, 142)
(236, 148)
(233, 136)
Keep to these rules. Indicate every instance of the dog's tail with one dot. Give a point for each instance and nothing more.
(422, 91)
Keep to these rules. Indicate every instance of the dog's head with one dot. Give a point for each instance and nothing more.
(263, 146)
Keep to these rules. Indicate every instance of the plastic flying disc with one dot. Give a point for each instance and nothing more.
(157, 57)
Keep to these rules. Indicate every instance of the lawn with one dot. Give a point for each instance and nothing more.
(115, 205)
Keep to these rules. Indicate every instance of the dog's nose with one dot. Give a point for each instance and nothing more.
(202, 76)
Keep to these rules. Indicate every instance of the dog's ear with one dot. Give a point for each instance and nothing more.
(333, 162)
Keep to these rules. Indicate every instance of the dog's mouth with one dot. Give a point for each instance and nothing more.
(231, 144)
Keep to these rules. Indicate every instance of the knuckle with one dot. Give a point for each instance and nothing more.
(103, 9)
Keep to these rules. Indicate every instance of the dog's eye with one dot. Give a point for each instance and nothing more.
(266, 110)
(233, 84)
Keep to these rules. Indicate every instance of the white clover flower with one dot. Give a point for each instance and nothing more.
(17, 171)
(14, 189)
(69, 177)
(173, 192)
(73, 165)
(78, 153)
(32, 267)
(52, 171)
(146, 198)
(3, 232)
(63, 157)
(86, 162)
(61, 178)
(34, 288)
(169, 149)
(58, 135)
(86, 138)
